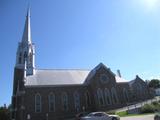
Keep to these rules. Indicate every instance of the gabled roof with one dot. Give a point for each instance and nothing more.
(134, 80)
(93, 72)
(56, 77)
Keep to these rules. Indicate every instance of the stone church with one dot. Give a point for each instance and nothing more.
(56, 94)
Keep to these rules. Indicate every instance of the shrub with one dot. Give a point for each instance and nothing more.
(111, 112)
(148, 108)
(155, 103)
(4, 114)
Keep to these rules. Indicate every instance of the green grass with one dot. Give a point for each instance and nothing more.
(122, 113)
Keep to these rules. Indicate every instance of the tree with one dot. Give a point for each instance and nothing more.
(4, 113)
(154, 83)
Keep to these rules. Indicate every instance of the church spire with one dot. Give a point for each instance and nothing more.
(26, 39)
(26, 49)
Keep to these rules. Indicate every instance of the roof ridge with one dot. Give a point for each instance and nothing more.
(63, 69)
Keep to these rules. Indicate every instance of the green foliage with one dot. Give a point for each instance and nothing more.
(4, 114)
(148, 108)
(154, 83)
(122, 113)
(111, 112)
(155, 103)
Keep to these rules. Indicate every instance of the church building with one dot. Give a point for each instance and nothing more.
(57, 94)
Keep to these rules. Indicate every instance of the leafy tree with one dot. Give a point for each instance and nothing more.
(154, 83)
(4, 113)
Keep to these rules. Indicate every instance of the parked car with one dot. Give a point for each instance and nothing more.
(157, 116)
(80, 115)
(100, 116)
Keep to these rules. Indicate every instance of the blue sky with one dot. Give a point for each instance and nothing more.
(123, 34)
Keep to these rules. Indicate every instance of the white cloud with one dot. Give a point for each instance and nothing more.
(146, 5)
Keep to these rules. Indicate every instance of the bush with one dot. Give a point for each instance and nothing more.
(155, 103)
(111, 112)
(148, 108)
(4, 114)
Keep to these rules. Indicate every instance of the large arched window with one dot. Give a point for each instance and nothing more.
(125, 94)
(100, 97)
(76, 101)
(37, 103)
(114, 96)
(107, 96)
(51, 101)
(64, 101)
(87, 99)
(139, 87)
(139, 90)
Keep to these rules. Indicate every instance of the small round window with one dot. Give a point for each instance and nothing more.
(104, 78)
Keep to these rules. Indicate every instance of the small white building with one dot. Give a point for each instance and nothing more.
(157, 91)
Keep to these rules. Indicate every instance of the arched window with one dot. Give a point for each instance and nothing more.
(76, 101)
(139, 87)
(114, 96)
(107, 96)
(87, 99)
(139, 90)
(20, 58)
(25, 56)
(64, 101)
(30, 58)
(100, 97)
(37, 103)
(125, 94)
(51, 99)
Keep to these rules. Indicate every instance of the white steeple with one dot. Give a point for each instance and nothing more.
(26, 49)
(26, 39)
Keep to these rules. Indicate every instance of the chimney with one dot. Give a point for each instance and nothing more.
(137, 76)
(119, 73)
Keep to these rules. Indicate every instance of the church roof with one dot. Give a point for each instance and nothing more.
(120, 79)
(56, 77)
(136, 79)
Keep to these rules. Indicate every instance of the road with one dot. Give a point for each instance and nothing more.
(141, 117)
